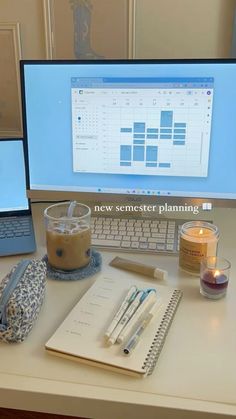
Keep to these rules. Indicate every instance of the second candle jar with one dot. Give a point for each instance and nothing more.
(198, 239)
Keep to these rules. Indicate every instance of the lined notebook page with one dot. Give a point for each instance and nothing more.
(81, 335)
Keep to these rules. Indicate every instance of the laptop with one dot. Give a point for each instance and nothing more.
(16, 224)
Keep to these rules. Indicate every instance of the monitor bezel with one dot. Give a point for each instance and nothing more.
(101, 197)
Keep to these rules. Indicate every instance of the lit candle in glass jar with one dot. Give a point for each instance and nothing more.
(214, 277)
(198, 240)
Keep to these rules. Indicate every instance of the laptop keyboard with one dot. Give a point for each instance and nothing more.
(16, 227)
(142, 235)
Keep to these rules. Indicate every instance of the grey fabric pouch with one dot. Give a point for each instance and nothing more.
(21, 296)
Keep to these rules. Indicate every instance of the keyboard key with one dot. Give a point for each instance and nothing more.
(152, 246)
(135, 245)
(143, 246)
(154, 230)
(160, 241)
(126, 238)
(152, 240)
(130, 228)
(163, 224)
(10, 235)
(161, 247)
(122, 228)
(162, 230)
(125, 244)
(109, 243)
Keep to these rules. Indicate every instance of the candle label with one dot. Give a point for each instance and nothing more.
(191, 254)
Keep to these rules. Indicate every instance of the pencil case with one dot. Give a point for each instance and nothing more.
(22, 293)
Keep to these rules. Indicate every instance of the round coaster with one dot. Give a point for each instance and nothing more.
(92, 268)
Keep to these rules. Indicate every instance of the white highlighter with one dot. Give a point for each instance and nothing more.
(124, 305)
(146, 305)
(124, 320)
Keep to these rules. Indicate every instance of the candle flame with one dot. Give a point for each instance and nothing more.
(217, 273)
(201, 231)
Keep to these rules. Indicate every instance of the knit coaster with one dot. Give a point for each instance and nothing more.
(92, 268)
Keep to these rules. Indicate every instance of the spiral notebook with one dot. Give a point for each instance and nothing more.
(81, 335)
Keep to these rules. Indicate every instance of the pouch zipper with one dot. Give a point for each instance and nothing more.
(9, 288)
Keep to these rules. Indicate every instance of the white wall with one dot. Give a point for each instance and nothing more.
(183, 28)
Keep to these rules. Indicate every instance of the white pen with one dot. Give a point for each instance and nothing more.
(130, 296)
(133, 341)
(140, 312)
(124, 320)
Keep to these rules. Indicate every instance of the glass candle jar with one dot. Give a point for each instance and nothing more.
(214, 277)
(198, 240)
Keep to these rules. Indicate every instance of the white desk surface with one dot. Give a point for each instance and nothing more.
(196, 372)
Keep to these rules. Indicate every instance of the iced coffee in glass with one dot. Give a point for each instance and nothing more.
(68, 235)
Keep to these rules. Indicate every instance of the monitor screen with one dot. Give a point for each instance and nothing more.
(140, 127)
(12, 176)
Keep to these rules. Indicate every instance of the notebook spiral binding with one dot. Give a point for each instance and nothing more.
(159, 339)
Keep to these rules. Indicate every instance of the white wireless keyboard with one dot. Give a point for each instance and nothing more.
(142, 235)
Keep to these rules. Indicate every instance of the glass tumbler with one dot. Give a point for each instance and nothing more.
(68, 235)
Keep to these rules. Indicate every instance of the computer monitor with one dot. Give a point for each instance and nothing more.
(131, 129)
